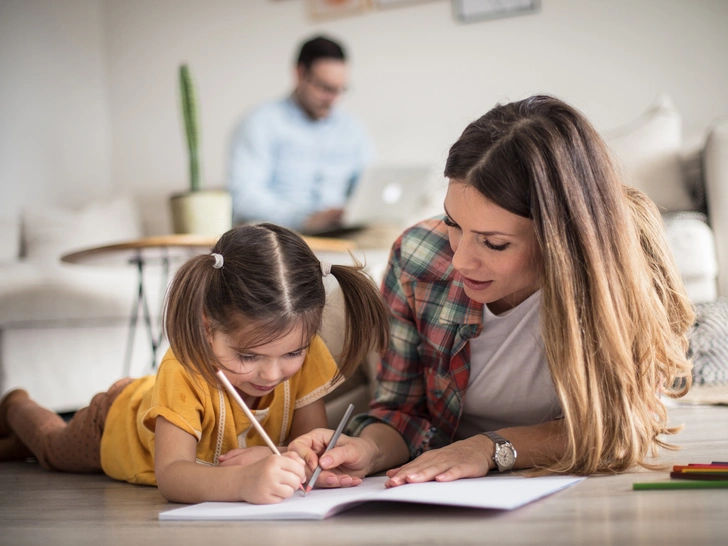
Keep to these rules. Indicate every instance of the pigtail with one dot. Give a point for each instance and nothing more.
(184, 313)
(367, 317)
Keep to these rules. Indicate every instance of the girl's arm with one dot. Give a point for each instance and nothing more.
(181, 479)
(307, 418)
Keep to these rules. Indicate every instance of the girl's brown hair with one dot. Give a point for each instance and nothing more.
(270, 283)
(614, 314)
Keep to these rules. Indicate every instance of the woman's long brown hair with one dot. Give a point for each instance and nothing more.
(614, 315)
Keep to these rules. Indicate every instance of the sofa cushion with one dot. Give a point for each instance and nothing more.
(32, 295)
(649, 150)
(49, 232)
(693, 246)
(716, 188)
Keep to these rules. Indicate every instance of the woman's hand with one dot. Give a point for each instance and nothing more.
(471, 458)
(244, 456)
(272, 479)
(343, 466)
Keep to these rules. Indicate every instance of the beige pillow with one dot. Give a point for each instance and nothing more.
(49, 232)
(649, 151)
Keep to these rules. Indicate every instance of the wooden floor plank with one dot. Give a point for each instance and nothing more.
(39, 507)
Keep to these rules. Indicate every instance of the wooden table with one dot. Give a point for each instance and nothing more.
(39, 507)
(166, 250)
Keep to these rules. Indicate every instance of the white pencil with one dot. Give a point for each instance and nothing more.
(229, 386)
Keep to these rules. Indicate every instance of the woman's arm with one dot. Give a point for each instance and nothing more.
(181, 479)
(473, 457)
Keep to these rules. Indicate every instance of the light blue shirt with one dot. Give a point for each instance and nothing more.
(285, 166)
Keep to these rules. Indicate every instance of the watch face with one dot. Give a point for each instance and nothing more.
(504, 457)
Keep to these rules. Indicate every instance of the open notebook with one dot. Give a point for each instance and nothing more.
(495, 492)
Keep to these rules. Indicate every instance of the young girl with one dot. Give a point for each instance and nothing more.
(251, 309)
(537, 322)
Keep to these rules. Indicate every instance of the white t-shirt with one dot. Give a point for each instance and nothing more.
(510, 383)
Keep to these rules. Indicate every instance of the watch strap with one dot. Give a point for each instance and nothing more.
(499, 441)
(497, 438)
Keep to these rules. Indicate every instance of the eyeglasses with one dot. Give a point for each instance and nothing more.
(324, 87)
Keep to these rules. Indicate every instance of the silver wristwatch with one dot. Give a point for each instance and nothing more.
(505, 454)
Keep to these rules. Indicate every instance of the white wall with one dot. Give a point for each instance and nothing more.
(54, 120)
(418, 77)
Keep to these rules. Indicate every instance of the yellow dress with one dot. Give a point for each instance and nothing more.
(204, 411)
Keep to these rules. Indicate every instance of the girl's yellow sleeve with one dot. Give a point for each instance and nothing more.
(178, 397)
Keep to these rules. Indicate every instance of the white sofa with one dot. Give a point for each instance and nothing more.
(63, 328)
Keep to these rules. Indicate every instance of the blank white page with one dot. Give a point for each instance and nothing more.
(494, 492)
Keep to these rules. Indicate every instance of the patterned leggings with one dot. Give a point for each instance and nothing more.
(70, 447)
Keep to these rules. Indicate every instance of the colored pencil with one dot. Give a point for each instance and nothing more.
(332, 443)
(682, 484)
(699, 475)
(700, 468)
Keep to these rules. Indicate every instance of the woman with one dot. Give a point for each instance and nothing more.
(543, 311)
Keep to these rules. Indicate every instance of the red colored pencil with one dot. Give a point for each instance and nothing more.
(699, 475)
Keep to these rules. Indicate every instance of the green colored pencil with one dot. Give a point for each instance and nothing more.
(680, 484)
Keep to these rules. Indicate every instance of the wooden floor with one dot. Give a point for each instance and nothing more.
(38, 507)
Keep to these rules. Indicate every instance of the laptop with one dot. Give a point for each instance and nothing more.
(385, 195)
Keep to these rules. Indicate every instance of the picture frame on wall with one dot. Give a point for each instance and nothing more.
(327, 9)
(470, 11)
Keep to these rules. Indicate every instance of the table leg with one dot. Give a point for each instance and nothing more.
(141, 305)
(134, 313)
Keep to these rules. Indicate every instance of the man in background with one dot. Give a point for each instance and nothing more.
(294, 161)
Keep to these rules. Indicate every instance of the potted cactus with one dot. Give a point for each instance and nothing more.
(197, 211)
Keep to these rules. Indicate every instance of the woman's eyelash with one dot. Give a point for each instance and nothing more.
(495, 247)
(295, 354)
(449, 223)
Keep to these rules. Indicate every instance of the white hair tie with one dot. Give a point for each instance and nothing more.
(325, 268)
(219, 261)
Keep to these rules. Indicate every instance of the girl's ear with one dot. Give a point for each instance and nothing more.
(208, 328)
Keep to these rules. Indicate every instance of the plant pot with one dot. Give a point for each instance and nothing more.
(205, 212)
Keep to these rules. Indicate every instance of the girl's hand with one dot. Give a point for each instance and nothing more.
(344, 466)
(244, 456)
(471, 458)
(273, 479)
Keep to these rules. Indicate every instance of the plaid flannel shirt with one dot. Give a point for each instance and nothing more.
(423, 376)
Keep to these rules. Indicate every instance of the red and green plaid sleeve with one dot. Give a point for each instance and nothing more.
(424, 373)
